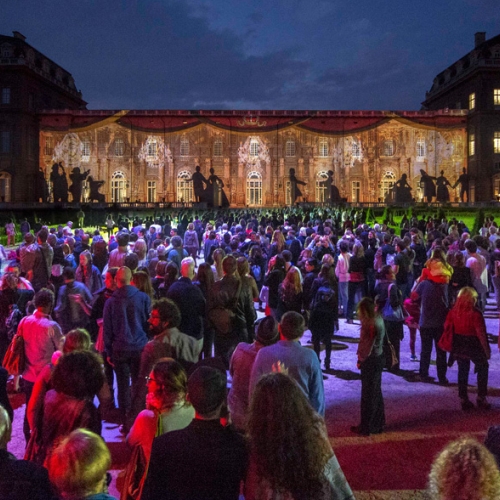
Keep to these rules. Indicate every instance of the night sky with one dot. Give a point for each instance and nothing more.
(252, 54)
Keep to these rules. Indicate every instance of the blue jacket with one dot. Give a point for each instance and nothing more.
(125, 323)
(434, 304)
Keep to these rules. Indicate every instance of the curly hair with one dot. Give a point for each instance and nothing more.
(464, 470)
(288, 439)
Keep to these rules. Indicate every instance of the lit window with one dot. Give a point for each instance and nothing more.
(49, 146)
(86, 151)
(6, 95)
(496, 143)
(5, 142)
(254, 189)
(184, 187)
(254, 147)
(472, 100)
(152, 150)
(496, 97)
(151, 191)
(388, 149)
(355, 191)
(184, 147)
(119, 147)
(322, 187)
(290, 148)
(472, 144)
(118, 187)
(218, 148)
(420, 147)
(323, 148)
(356, 149)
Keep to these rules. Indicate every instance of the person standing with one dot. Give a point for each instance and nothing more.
(342, 273)
(10, 230)
(371, 362)
(125, 320)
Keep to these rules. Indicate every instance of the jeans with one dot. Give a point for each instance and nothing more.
(463, 377)
(126, 366)
(372, 401)
(428, 336)
(27, 388)
(343, 296)
(352, 288)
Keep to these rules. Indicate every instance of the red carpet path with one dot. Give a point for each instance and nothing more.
(421, 419)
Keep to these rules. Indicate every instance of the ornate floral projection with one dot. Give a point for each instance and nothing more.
(155, 152)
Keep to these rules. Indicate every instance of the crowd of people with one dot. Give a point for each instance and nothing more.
(151, 322)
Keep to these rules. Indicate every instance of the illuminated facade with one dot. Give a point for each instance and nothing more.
(149, 156)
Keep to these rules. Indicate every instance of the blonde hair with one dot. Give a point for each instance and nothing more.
(78, 465)
(466, 300)
(464, 470)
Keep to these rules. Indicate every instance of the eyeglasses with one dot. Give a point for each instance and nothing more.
(154, 316)
(150, 379)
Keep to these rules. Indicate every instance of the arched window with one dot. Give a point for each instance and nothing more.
(323, 148)
(254, 147)
(290, 148)
(119, 147)
(5, 193)
(386, 184)
(184, 147)
(184, 188)
(217, 148)
(321, 187)
(118, 187)
(254, 189)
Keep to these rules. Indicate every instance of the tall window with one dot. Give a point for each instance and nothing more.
(184, 147)
(86, 151)
(6, 95)
(119, 147)
(5, 192)
(496, 142)
(323, 148)
(388, 148)
(321, 187)
(472, 100)
(472, 144)
(49, 146)
(254, 189)
(5, 141)
(152, 150)
(184, 188)
(420, 148)
(386, 184)
(496, 97)
(151, 191)
(254, 147)
(356, 149)
(118, 187)
(218, 148)
(356, 191)
(290, 148)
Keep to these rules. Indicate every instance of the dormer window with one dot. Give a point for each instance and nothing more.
(6, 50)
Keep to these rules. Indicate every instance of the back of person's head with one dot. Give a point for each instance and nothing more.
(78, 465)
(123, 276)
(29, 238)
(68, 273)
(229, 264)
(292, 325)
(131, 261)
(161, 267)
(464, 470)
(42, 235)
(44, 298)
(5, 428)
(176, 242)
(466, 299)
(76, 340)
(168, 311)
(187, 267)
(343, 246)
(171, 378)
(386, 272)
(471, 246)
(78, 374)
(267, 331)
(207, 391)
(243, 267)
(366, 309)
(287, 255)
(122, 239)
(9, 281)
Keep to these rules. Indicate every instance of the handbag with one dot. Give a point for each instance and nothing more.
(390, 313)
(446, 341)
(264, 294)
(14, 360)
(394, 358)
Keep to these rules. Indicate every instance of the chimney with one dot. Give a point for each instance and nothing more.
(479, 38)
(19, 35)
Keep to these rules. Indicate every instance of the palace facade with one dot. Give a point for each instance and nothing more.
(150, 156)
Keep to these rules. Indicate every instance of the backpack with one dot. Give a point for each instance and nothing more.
(324, 299)
(256, 272)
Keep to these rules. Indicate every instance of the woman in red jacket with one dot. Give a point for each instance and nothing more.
(470, 343)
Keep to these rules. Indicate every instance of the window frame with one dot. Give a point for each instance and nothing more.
(496, 97)
(254, 189)
(290, 149)
(496, 142)
(6, 95)
(119, 141)
(184, 147)
(472, 101)
(218, 149)
(472, 144)
(323, 149)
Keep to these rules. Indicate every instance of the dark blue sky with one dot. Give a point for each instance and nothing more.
(252, 54)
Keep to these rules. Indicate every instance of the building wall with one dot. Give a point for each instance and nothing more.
(366, 160)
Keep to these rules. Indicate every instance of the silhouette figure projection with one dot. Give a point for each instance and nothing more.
(41, 187)
(59, 183)
(402, 190)
(443, 195)
(427, 183)
(333, 193)
(77, 179)
(463, 180)
(94, 186)
(295, 192)
(214, 193)
(198, 179)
